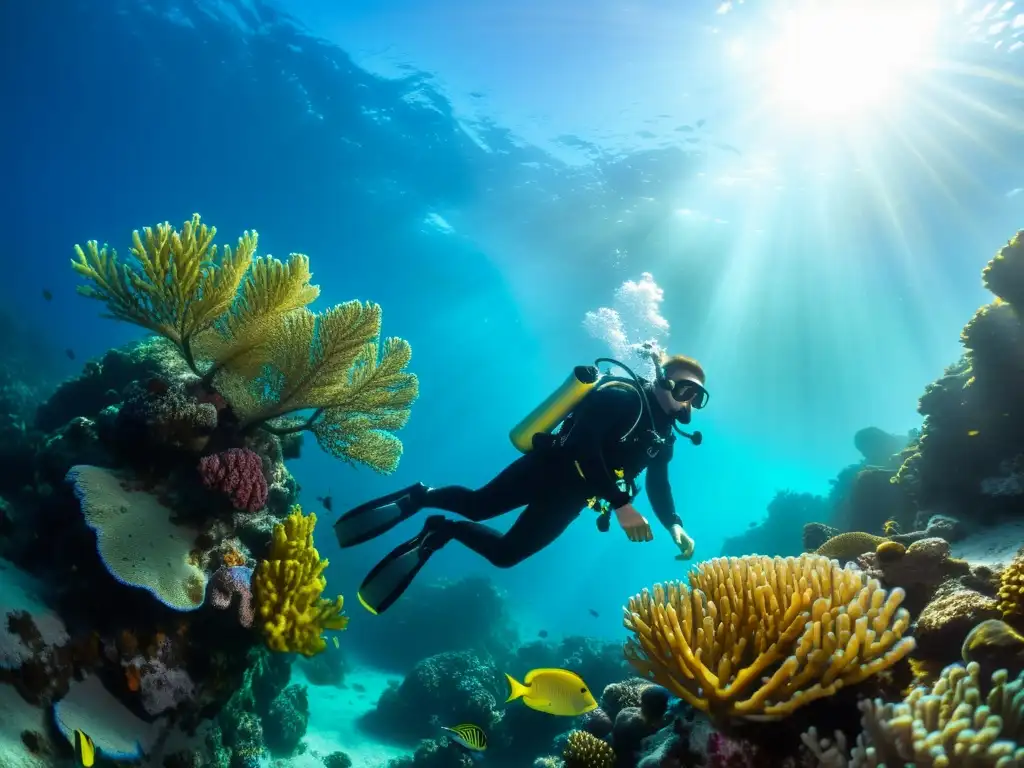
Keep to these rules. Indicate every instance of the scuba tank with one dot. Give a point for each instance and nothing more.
(583, 380)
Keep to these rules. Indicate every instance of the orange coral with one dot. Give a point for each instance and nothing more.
(127, 643)
(233, 557)
(133, 678)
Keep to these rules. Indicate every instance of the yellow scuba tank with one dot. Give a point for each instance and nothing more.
(555, 407)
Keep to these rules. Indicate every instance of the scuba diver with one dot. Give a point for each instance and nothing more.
(610, 429)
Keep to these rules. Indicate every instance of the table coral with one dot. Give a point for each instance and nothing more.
(759, 637)
(136, 539)
(288, 587)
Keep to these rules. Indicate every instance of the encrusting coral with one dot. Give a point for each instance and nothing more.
(242, 325)
(847, 546)
(584, 750)
(759, 637)
(288, 586)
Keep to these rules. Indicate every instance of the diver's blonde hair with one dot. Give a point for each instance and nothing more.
(673, 363)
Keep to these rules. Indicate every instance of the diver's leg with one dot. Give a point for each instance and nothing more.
(539, 524)
(512, 488)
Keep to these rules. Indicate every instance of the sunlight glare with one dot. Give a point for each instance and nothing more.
(847, 59)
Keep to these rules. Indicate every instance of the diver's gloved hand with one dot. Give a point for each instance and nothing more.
(683, 541)
(633, 523)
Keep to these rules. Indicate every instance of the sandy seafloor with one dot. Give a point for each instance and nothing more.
(333, 720)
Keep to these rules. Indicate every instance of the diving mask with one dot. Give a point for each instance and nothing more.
(685, 391)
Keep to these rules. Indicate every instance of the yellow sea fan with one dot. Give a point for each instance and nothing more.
(331, 364)
(239, 342)
(178, 285)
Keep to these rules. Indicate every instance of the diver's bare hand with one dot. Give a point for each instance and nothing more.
(633, 523)
(683, 541)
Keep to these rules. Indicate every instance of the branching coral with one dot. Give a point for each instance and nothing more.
(242, 324)
(288, 587)
(584, 750)
(759, 637)
(952, 724)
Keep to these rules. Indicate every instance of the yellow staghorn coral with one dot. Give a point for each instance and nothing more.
(584, 750)
(759, 637)
(242, 324)
(288, 587)
(179, 285)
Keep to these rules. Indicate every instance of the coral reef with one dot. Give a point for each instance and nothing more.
(142, 532)
(966, 455)
(761, 637)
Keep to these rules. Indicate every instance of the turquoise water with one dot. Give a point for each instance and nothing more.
(812, 230)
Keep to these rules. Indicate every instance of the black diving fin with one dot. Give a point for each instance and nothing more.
(392, 576)
(370, 520)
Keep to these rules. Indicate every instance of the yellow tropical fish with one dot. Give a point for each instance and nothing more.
(85, 750)
(973, 432)
(555, 691)
(891, 528)
(334, 639)
(470, 736)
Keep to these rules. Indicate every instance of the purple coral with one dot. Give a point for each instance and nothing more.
(228, 582)
(725, 752)
(237, 473)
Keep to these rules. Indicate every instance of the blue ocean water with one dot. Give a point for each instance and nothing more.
(490, 174)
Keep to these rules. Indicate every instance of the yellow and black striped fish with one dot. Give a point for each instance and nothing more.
(470, 736)
(85, 750)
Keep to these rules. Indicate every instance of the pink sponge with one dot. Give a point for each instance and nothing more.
(238, 473)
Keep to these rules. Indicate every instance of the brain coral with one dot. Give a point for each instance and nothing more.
(136, 539)
(584, 750)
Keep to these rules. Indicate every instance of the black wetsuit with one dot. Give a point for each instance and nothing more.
(556, 479)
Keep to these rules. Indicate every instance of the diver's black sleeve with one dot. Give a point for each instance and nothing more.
(601, 419)
(659, 490)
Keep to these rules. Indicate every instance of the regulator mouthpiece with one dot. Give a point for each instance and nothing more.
(694, 437)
